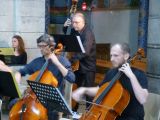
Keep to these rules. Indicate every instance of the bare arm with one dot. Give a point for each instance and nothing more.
(4, 67)
(18, 77)
(79, 93)
(140, 93)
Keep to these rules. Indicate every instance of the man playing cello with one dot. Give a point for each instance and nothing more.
(58, 65)
(133, 80)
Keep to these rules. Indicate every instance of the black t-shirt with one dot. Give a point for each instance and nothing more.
(134, 108)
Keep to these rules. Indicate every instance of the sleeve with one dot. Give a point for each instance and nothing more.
(24, 58)
(70, 75)
(64, 30)
(28, 68)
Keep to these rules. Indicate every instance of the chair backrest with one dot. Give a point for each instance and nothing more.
(152, 107)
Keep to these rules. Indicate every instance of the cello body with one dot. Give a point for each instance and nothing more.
(29, 107)
(112, 105)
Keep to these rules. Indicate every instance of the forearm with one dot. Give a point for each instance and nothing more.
(79, 93)
(62, 69)
(4, 67)
(92, 91)
(140, 93)
(18, 77)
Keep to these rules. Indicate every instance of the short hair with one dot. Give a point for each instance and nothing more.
(124, 47)
(80, 14)
(45, 38)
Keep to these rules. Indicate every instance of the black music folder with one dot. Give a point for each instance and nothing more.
(50, 97)
(8, 85)
(71, 43)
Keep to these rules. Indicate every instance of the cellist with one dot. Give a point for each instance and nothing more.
(133, 80)
(58, 65)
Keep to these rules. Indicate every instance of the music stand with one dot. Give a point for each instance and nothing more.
(8, 85)
(50, 97)
(71, 43)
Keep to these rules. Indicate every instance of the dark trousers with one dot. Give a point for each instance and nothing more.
(86, 79)
(53, 115)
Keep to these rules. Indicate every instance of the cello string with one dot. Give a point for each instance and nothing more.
(93, 103)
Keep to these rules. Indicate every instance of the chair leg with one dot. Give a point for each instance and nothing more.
(159, 115)
(0, 109)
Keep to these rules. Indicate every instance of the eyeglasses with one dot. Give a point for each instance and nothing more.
(42, 46)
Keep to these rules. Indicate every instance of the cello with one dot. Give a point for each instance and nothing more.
(29, 107)
(111, 99)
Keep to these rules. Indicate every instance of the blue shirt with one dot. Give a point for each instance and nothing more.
(37, 64)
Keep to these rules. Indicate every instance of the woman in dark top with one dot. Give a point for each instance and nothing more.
(19, 58)
(20, 55)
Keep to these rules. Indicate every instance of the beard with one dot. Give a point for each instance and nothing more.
(117, 65)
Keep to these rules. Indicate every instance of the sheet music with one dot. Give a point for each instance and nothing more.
(80, 43)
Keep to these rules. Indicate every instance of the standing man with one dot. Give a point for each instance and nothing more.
(58, 65)
(132, 79)
(85, 75)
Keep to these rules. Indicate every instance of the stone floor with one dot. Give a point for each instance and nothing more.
(4, 117)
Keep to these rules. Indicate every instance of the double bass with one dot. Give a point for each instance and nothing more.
(75, 64)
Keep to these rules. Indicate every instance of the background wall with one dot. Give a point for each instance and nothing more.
(23, 17)
(153, 47)
(111, 26)
(27, 18)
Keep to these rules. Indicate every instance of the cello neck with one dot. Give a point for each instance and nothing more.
(115, 78)
(44, 67)
(103, 94)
